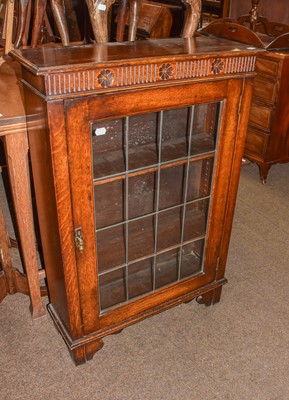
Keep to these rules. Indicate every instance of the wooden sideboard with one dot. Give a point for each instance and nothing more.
(267, 140)
(136, 162)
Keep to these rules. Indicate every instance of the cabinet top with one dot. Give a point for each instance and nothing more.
(45, 60)
(58, 72)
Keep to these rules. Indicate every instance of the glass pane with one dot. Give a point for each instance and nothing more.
(142, 141)
(205, 128)
(112, 288)
(107, 147)
(111, 247)
(140, 238)
(141, 195)
(175, 132)
(192, 255)
(109, 203)
(196, 219)
(167, 268)
(200, 178)
(140, 278)
(171, 186)
(169, 228)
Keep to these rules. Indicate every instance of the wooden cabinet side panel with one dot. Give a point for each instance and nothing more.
(40, 153)
(38, 136)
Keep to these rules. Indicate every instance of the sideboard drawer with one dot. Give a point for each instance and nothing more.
(256, 143)
(260, 115)
(264, 90)
(267, 67)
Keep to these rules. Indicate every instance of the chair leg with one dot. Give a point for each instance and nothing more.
(123, 6)
(134, 10)
(40, 8)
(5, 261)
(16, 151)
(193, 14)
(8, 26)
(98, 13)
(23, 9)
(27, 24)
(60, 20)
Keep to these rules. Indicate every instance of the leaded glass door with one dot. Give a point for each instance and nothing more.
(152, 181)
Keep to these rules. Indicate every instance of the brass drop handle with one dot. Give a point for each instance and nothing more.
(79, 242)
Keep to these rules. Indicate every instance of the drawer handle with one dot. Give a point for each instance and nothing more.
(79, 242)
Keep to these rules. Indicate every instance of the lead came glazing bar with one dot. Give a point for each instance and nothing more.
(150, 168)
(153, 213)
(157, 198)
(185, 193)
(148, 256)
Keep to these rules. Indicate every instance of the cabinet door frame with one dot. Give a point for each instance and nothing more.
(79, 115)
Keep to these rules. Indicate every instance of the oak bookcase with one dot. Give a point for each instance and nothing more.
(136, 157)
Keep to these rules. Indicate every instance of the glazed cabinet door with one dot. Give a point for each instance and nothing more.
(149, 172)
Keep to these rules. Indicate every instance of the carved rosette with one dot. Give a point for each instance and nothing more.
(105, 78)
(166, 71)
(217, 66)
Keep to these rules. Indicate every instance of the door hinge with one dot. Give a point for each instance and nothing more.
(79, 241)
